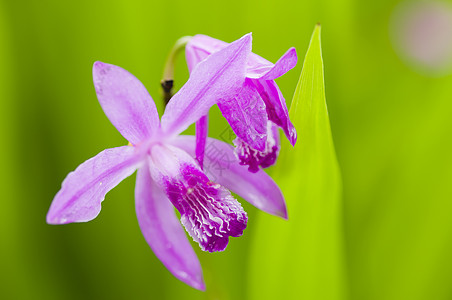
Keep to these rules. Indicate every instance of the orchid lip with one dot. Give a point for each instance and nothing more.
(209, 213)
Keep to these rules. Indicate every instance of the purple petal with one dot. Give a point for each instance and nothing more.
(247, 116)
(208, 211)
(222, 166)
(201, 46)
(125, 101)
(163, 231)
(219, 76)
(202, 127)
(287, 62)
(83, 190)
(276, 107)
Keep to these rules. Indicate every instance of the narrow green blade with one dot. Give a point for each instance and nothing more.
(303, 258)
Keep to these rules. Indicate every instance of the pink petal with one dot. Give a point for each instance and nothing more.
(276, 107)
(287, 62)
(83, 190)
(219, 76)
(164, 233)
(221, 166)
(202, 127)
(126, 102)
(201, 46)
(246, 114)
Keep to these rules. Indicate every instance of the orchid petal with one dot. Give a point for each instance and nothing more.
(222, 166)
(126, 102)
(83, 190)
(202, 127)
(217, 77)
(287, 62)
(201, 46)
(247, 116)
(276, 107)
(163, 231)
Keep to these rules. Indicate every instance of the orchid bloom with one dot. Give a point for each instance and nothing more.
(256, 112)
(168, 175)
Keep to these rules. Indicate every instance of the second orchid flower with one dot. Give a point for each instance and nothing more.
(256, 111)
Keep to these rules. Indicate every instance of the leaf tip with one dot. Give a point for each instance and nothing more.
(317, 28)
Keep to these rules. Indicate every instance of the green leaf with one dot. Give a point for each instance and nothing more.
(303, 258)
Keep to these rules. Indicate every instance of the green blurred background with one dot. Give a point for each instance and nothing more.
(390, 119)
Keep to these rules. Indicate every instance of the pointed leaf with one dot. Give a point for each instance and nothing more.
(309, 244)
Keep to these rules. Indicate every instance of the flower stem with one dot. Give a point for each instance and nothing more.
(168, 71)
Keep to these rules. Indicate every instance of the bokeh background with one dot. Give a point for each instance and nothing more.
(389, 94)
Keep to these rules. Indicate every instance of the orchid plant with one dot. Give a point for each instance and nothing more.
(168, 173)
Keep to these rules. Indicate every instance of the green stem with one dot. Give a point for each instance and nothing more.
(168, 71)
